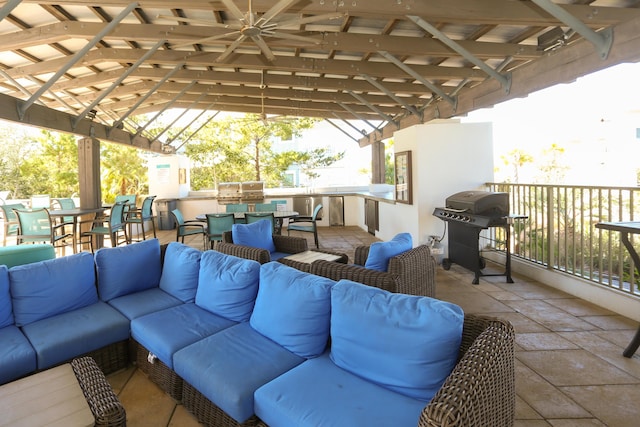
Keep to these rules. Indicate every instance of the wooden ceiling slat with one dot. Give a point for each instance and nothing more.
(304, 79)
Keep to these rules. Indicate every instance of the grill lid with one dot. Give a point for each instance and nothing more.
(480, 203)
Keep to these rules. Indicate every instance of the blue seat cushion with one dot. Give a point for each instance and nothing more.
(406, 343)
(127, 269)
(229, 366)
(228, 285)
(48, 288)
(144, 302)
(293, 308)
(180, 271)
(167, 331)
(257, 235)
(17, 357)
(6, 310)
(381, 252)
(65, 336)
(332, 397)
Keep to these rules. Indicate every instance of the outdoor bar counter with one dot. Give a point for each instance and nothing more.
(353, 201)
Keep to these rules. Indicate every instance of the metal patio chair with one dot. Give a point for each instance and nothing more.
(217, 224)
(112, 227)
(36, 226)
(140, 216)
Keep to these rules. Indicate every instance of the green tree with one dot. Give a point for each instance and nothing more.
(241, 149)
(123, 171)
(16, 146)
(517, 158)
(308, 161)
(389, 164)
(48, 164)
(60, 153)
(553, 170)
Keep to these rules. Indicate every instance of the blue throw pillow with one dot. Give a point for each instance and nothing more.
(227, 285)
(48, 288)
(381, 252)
(6, 312)
(256, 235)
(405, 343)
(127, 269)
(180, 271)
(293, 309)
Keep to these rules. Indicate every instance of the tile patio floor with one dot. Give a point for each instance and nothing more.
(569, 366)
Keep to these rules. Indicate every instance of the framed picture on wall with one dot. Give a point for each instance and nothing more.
(403, 177)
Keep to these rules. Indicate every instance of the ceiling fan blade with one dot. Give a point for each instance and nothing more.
(264, 48)
(294, 37)
(207, 39)
(233, 9)
(199, 21)
(275, 10)
(224, 55)
(309, 19)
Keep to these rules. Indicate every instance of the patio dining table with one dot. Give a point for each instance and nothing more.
(75, 214)
(625, 228)
(278, 216)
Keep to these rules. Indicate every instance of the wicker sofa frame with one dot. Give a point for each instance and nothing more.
(102, 400)
(480, 391)
(286, 244)
(412, 272)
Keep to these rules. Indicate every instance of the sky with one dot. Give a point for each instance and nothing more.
(594, 119)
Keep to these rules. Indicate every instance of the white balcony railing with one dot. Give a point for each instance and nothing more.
(560, 232)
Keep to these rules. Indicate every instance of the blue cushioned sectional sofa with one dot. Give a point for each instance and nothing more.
(241, 343)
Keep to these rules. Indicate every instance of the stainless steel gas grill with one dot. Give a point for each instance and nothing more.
(468, 213)
(253, 192)
(228, 192)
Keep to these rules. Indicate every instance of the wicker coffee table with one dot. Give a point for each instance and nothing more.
(73, 394)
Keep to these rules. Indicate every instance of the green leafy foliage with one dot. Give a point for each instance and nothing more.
(241, 149)
(123, 171)
(47, 163)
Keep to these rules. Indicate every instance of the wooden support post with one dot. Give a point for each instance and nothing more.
(89, 180)
(89, 172)
(377, 163)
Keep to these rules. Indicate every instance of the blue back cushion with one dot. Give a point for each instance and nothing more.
(256, 235)
(406, 343)
(293, 309)
(6, 312)
(126, 269)
(227, 285)
(180, 271)
(47, 288)
(381, 252)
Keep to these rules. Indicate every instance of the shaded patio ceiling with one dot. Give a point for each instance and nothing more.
(388, 64)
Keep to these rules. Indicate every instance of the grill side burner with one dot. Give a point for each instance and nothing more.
(468, 213)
